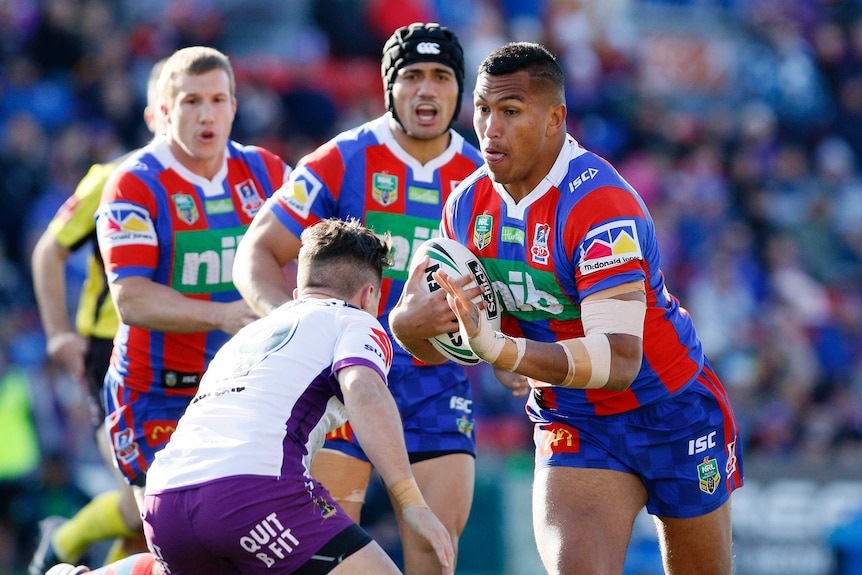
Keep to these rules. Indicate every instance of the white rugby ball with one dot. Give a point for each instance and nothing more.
(456, 260)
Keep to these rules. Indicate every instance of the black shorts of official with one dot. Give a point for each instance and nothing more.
(96, 363)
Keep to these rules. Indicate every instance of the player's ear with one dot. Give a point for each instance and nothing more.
(556, 119)
(295, 293)
(369, 298)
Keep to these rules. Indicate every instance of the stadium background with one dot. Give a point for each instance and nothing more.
(740, 123)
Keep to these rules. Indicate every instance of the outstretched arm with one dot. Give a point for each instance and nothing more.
(375, 420)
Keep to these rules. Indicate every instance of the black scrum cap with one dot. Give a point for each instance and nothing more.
(420, 42)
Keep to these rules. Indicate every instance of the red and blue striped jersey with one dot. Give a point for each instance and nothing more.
(582, 230)
(364, 173)
(160, 221)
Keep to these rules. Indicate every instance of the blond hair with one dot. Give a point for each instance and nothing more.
(195, 60)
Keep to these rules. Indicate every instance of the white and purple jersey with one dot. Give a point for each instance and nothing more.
(271, 394)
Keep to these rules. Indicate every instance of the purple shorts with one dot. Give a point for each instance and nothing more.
(249, 525)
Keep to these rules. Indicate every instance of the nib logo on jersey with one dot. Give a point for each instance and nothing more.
(609, 245)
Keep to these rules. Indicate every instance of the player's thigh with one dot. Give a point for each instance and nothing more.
(697, 545)
(370, 559)
(447, 483)
(345, 477)
(583, 518)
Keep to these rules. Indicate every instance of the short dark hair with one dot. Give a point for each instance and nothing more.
(528, 56)
(341, 256)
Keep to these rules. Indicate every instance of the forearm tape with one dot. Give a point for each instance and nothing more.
(407, 493)
(497, 348)
(597, 349)
(602, 317)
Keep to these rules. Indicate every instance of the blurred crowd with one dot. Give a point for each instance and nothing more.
(739, 122)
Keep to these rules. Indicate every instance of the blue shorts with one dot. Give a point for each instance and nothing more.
(436, 407)
(685, 449)
(138, 425)
(249, 525)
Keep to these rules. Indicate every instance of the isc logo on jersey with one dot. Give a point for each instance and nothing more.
(300, 191)
(123, 224)
(609, 245)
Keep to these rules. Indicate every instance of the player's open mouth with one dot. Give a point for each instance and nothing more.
(426, 114)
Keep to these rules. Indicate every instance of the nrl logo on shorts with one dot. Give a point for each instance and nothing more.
(384, 189)
(187, 211)
(708, 475)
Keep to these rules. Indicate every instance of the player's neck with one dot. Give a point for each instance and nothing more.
(203, 166)
(422, 151)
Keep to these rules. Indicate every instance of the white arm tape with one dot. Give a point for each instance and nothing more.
(613, 316)
(521, 344)
(599, 351)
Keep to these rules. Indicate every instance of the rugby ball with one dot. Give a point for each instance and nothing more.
(456, 260)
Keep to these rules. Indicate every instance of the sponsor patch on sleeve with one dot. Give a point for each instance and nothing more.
(609, 245)
(300, 191)
(123, 223)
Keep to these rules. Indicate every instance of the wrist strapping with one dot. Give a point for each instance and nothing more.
(495, 347)
(407, 493)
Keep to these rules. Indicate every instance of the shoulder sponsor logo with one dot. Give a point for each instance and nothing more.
(423, 195)
(384, 188)
(187, 210)
(609, 245)
(482, 230)
(123, 223)
(428, 48)
(300, 191)
(250, 199)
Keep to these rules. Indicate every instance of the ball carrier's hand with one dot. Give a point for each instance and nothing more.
(492, 346)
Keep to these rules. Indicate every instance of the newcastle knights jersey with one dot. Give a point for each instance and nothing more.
(581, 230)
(364, 173)
(160, 221)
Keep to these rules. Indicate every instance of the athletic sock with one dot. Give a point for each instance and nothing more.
(117, 551)
(98, 520)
